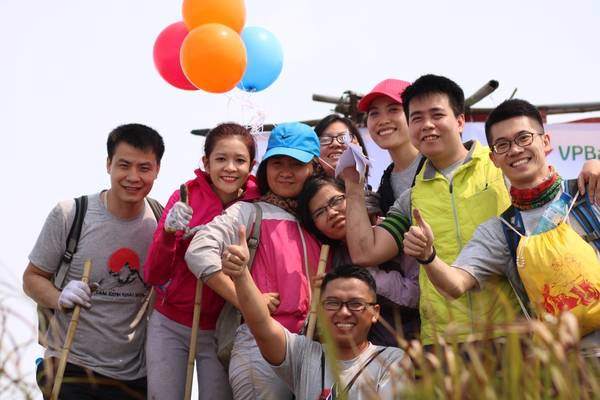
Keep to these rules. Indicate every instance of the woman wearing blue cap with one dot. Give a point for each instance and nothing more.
(285, 258)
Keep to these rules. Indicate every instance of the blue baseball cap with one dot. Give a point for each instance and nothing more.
(293, 139)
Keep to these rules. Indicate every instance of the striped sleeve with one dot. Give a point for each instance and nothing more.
(397, 225)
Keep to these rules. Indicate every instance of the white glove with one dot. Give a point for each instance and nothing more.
(76, 292)
(179, 217)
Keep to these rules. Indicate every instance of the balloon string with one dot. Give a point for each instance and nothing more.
(256, 118)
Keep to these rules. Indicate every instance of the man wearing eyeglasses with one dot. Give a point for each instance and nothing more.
(518, 146)
(348, 301)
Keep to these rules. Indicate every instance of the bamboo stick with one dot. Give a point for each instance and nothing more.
(183, 193)
(316, 293)
(193, 339)
(87, 267)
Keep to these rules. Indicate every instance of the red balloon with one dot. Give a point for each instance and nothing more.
(166, 55)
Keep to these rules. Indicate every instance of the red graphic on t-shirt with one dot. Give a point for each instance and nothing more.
(124, 264)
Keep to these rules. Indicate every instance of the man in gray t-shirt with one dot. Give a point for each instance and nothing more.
(348, 302)
(519, 145)
(117, 230)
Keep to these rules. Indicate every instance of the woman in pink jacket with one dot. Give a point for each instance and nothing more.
(285, 258)
(229, 151)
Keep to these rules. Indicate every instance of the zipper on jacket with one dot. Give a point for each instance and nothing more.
(460, 246)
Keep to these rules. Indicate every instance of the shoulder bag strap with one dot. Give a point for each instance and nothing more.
(364, 366)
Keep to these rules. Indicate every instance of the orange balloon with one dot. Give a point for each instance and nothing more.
(227, 12)
(213, 58)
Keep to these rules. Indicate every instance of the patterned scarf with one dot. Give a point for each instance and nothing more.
(289, 205)
(527, 199)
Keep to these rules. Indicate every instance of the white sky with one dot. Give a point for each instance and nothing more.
(73, 70)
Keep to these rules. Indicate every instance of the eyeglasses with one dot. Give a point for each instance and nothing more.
(343, 138)
(354, 305)
(334, 203)
(523, 139)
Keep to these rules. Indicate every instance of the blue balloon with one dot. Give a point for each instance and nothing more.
(265, 59)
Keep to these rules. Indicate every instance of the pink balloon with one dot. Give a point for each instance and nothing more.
(166, 55)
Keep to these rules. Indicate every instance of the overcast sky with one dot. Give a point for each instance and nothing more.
(73, 70)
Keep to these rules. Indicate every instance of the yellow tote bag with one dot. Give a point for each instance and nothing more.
(560, 271)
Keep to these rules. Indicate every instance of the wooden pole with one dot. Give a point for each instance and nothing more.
(189, 379)
(316, 293)
(193, 339)
(87, 267)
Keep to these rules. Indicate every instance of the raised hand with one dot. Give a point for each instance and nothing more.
(590, 177)
(75, 292)
(179, 217)
(350, 175)
(272, 301)
(418, 241)
(235, 257)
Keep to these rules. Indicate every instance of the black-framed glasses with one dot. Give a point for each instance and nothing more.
(523, 139)
(334, 203)
(343, 138)
(355, 305)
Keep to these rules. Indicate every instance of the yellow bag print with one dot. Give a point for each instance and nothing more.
(560, 271)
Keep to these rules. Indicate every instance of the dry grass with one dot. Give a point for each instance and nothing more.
(15, 367)
(532, 360)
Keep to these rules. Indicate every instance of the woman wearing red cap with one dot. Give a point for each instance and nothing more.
(388, 128)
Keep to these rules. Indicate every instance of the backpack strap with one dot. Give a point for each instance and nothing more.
(385, 190)
(419, 168)
(511, 216)
(72, 241)
(156, 208)
(514, 229)
(584, 214)
(254, 238)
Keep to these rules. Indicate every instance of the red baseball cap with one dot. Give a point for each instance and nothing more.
(391, 88)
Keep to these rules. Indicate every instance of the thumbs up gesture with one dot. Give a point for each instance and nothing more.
(418, 241)
(235, 257)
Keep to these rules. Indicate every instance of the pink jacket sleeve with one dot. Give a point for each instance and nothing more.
(160, 260)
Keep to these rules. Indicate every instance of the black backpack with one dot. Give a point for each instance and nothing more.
(45, 314)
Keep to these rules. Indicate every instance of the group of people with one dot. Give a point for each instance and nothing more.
(254, 242)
